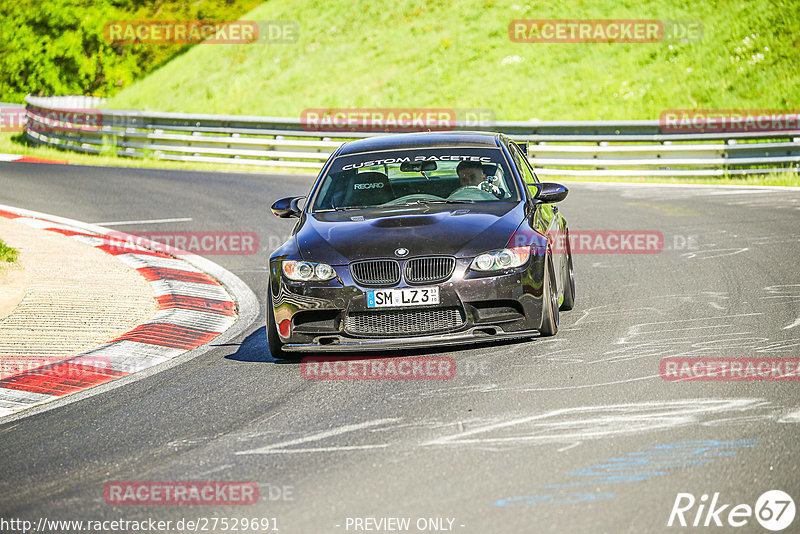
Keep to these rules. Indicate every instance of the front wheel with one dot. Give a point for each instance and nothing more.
(274, 342)
(549, 301)
(569, 283)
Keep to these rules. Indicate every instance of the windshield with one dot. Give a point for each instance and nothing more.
(416, 176)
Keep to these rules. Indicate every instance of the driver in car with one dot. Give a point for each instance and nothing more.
(471, 174)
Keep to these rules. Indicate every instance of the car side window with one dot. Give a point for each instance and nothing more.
(522, 164)
(530, 168)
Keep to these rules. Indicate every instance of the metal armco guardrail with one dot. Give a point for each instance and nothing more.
(557, 148)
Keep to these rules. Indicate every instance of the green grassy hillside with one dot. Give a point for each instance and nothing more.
(457, 53)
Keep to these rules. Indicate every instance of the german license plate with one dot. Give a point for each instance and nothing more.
(417, 296)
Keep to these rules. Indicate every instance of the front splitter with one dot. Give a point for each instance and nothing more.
(344, 344)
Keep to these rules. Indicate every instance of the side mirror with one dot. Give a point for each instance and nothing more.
(287, 207)
(549, 192)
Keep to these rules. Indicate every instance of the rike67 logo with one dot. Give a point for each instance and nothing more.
(774, 510)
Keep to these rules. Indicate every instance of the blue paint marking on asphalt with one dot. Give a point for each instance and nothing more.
(633, 467)
(561, 498)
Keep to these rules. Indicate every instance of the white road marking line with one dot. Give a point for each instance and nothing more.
(215, 470)
(598, 314)
(699, 319)
(795, 323)
(145, 221)
(713, 253)
(320, 449)
(683, 329)
(276, 447)
(792, 417)
(637, 330)
(568, 447)
(592, 422)
(585, 386)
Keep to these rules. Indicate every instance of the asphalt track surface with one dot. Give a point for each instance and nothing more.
(574, 433)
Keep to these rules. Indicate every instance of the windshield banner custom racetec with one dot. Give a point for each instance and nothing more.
(416, 176)
(408, 159)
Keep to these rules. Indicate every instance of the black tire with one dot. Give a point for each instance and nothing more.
(273, 341)
(549, 301)
(569, 283)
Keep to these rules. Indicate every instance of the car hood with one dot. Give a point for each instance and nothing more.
(340, 237)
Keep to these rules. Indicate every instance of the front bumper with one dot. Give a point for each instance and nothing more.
(348, 344)
(320, 316)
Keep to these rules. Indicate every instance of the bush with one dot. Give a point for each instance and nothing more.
(57, 47)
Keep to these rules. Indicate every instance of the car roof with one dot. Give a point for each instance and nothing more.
(421, 140)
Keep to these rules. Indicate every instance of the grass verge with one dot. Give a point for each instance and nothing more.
(7, 254)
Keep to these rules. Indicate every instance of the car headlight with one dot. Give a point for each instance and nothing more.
(498, 260)
(305, 271)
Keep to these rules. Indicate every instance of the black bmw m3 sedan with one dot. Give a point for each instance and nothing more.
(420, 239)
